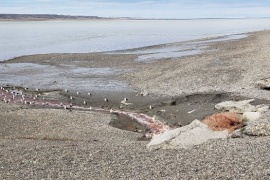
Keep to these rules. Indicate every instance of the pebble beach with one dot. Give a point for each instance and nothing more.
(44, 143)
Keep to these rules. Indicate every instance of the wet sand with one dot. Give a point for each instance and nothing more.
(55, 143)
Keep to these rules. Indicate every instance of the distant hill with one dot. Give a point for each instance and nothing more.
(37, 17)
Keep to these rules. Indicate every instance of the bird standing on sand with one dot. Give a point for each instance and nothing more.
(89, 94)
(106, 100)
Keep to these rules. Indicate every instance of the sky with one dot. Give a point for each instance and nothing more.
(140, 8)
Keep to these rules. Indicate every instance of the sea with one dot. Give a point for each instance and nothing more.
(42, 37)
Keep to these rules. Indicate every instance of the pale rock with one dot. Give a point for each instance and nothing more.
(251, 116)
(186, 137)
(262, 108)
(263, 84)
(236, 106)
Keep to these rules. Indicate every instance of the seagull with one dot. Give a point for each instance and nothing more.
(90, 107)
(37, 89)
(71, 97)
(78, 92)
(66, 90)
(106, 100)
(150, 107)
(89, 94)
(84, 102)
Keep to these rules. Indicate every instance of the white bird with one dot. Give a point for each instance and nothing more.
(37, 89)
(89, 94)
(71, 97)
(106, 100)
(78, 92)
(66, 90)
(150, 107)
(90, 107)
(84, 102)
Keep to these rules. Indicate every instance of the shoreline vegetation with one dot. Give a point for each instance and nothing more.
(177, 90)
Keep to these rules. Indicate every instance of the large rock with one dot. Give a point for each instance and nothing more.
(263, 84)
(241, 106)
(186, 137)
(236, 106)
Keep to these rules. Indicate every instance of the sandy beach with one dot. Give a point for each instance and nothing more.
(42, 143)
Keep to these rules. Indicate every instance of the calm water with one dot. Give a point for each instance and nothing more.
(25, 38)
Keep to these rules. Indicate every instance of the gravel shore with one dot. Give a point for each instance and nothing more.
(60, 144)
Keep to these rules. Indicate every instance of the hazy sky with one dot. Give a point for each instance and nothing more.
(139, 8)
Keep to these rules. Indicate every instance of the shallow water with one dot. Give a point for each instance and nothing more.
(34, 37)
(71, 77)
(173, 50)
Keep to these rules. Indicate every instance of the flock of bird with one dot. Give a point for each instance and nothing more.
(20, 96)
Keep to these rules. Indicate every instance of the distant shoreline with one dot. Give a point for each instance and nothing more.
(48, 17)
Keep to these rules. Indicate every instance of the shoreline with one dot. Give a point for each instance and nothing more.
(55, 143)
(155, 46)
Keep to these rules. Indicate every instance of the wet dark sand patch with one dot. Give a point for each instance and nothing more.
(173, 111)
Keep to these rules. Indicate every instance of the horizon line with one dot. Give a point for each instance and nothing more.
(130, 18)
